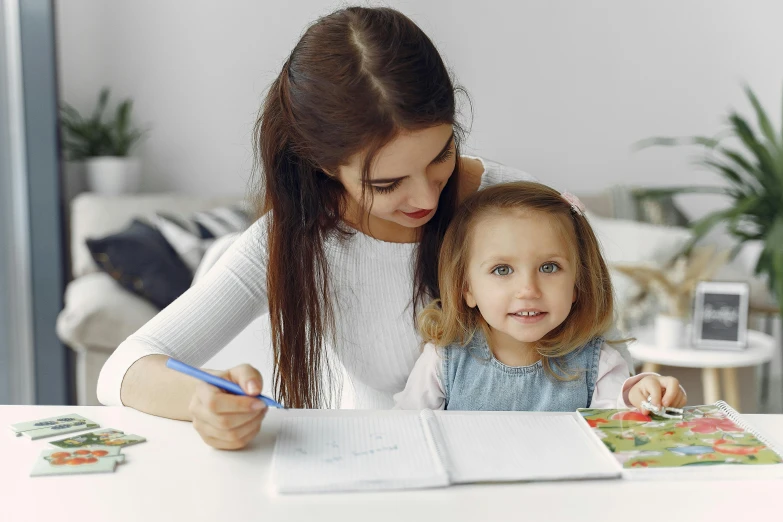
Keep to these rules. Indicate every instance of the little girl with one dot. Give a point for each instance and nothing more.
(525, 300)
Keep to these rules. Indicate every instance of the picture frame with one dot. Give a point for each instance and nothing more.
(720, 315)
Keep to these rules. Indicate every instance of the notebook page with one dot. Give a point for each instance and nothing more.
(373, 452)
(501, 447)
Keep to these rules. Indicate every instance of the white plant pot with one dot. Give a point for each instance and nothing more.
(112, 175)
(670, 332)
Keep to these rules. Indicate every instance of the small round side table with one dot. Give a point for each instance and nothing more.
(760, 349)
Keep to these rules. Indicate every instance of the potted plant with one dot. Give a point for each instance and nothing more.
(751, 169)
(673, 287)
(104, 145)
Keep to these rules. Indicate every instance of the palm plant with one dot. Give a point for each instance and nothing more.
(93, 136)
(753, 180)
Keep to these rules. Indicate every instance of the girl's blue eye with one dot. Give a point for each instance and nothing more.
(502, 270)
(549, 268)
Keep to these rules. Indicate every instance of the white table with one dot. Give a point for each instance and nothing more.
(760, 349)
(176, 477)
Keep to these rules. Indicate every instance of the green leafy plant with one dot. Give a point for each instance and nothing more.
(87, 137)
(752, 172)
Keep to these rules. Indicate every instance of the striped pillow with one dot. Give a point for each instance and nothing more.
(190, 237)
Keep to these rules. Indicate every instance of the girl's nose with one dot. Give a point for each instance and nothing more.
(528, 289)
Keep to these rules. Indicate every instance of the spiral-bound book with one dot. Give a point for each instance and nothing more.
(406, 450)
(709, 442)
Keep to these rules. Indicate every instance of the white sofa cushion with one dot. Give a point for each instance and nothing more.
(632, 242)
(625, 241)
(100, 314)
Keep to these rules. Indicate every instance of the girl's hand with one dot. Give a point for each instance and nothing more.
(665, 391)
(224, 420)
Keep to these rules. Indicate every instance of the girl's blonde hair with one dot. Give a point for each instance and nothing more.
(450, 320)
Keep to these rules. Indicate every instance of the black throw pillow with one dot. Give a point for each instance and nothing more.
(142, 261)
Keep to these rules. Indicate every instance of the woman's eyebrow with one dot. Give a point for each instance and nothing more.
(390, 180)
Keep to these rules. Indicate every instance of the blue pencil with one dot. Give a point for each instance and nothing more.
(214, 380)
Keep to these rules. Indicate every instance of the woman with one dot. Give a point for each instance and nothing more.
(359, 153)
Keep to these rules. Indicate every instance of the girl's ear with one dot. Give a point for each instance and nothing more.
(469, 299)
(573, 299)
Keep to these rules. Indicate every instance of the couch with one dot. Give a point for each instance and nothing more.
(99, 314)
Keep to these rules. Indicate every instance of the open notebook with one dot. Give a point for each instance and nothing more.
(710, 442)
(402, 450)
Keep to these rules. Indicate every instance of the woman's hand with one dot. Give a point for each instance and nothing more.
(224, 420)
(664, 391)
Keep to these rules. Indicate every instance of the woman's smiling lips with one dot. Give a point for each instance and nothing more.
(418, 214)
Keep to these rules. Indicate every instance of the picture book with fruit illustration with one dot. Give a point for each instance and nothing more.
(706, 435)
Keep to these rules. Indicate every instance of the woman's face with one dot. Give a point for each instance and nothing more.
(405, 180)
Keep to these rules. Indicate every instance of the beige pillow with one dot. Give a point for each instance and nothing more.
(100, 314)
(635, 243)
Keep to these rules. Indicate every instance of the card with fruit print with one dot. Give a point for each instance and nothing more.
(51, 426)
(84, 460)
(106, 437)
(711, 434)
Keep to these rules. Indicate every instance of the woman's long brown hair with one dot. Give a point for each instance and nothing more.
(354, 81)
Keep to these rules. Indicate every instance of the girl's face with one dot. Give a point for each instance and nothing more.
(405, 180)
(521, 275)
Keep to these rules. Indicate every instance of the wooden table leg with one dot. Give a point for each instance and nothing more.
(711, 385)
(732, 390)
(651, 367)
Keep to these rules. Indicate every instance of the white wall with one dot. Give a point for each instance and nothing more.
(561, 89)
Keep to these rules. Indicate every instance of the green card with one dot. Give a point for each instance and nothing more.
(105, 437)
(52, 426)
(76, 462)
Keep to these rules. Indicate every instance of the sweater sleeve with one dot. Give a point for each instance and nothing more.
(424, 388)
(614, 380)
(496, 173)
(204, 319)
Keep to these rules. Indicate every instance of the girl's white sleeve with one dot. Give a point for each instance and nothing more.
(614, 381)
(204, 319)
(424, 388)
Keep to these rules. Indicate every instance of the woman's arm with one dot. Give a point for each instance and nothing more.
(192, 329)
(150, 387)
